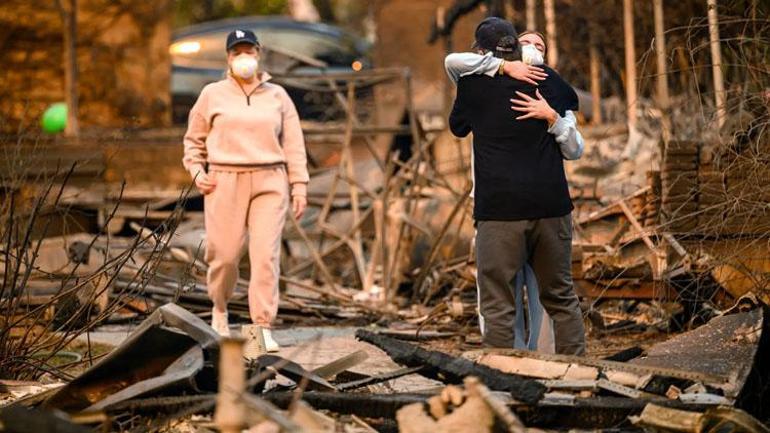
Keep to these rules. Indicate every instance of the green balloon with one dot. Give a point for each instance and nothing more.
(54, 119)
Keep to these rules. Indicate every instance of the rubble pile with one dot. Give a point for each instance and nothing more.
(174, 368)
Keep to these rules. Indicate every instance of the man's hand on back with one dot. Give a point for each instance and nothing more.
(523, 72)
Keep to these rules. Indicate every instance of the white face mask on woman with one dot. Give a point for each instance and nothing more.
(244, 65)
(531, 55)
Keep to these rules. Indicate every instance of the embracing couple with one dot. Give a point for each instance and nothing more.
(521, 113)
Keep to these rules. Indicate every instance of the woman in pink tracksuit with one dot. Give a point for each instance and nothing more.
(246, 131)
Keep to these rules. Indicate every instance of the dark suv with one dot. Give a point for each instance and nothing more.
(198, 57)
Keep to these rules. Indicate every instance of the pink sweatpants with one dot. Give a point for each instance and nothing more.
(253, 200)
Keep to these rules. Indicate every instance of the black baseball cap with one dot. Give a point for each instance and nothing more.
(490, 30)
(239, 36)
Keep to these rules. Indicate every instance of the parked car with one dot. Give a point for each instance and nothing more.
(198, 57)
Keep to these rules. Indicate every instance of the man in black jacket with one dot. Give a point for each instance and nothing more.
(522, 205)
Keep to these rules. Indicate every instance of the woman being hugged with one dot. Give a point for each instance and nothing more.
(245, 151)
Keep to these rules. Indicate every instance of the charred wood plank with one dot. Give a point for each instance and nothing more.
(592, 413)
(588, 413)
(359, 404)
(452, 370)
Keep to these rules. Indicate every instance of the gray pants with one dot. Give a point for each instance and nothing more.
(502, 248)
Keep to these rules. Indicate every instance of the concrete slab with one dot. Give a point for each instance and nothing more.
(110, 335)
(312, 354)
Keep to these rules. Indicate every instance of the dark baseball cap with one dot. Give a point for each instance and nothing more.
(490, 30)
(239, 36)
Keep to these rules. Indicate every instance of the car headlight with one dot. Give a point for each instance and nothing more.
(187, 47)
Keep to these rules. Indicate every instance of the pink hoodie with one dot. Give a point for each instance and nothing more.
(234, 131)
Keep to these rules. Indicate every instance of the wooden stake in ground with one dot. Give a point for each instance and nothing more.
(531, 20)
(716, 62)
(230, 415)
(376, 249)
(68, 9)
(550, 33)
(628, 28)
(662, 81)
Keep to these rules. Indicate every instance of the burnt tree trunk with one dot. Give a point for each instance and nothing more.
(530, 14)
(628, 29)
(68, 11)
(550, 33)
(716, 62)
(596, 86)
(662, 80)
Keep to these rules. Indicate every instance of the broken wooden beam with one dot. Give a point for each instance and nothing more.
(452, 370)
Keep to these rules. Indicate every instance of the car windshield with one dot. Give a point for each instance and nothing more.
(207, 50)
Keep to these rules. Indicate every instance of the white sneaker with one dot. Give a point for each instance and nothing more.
(270, 344)
(219, 323)
(255, 341)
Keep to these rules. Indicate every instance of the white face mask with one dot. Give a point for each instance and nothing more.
(531, 55)
(244, 65)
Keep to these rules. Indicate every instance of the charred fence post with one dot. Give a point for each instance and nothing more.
(229, 415)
